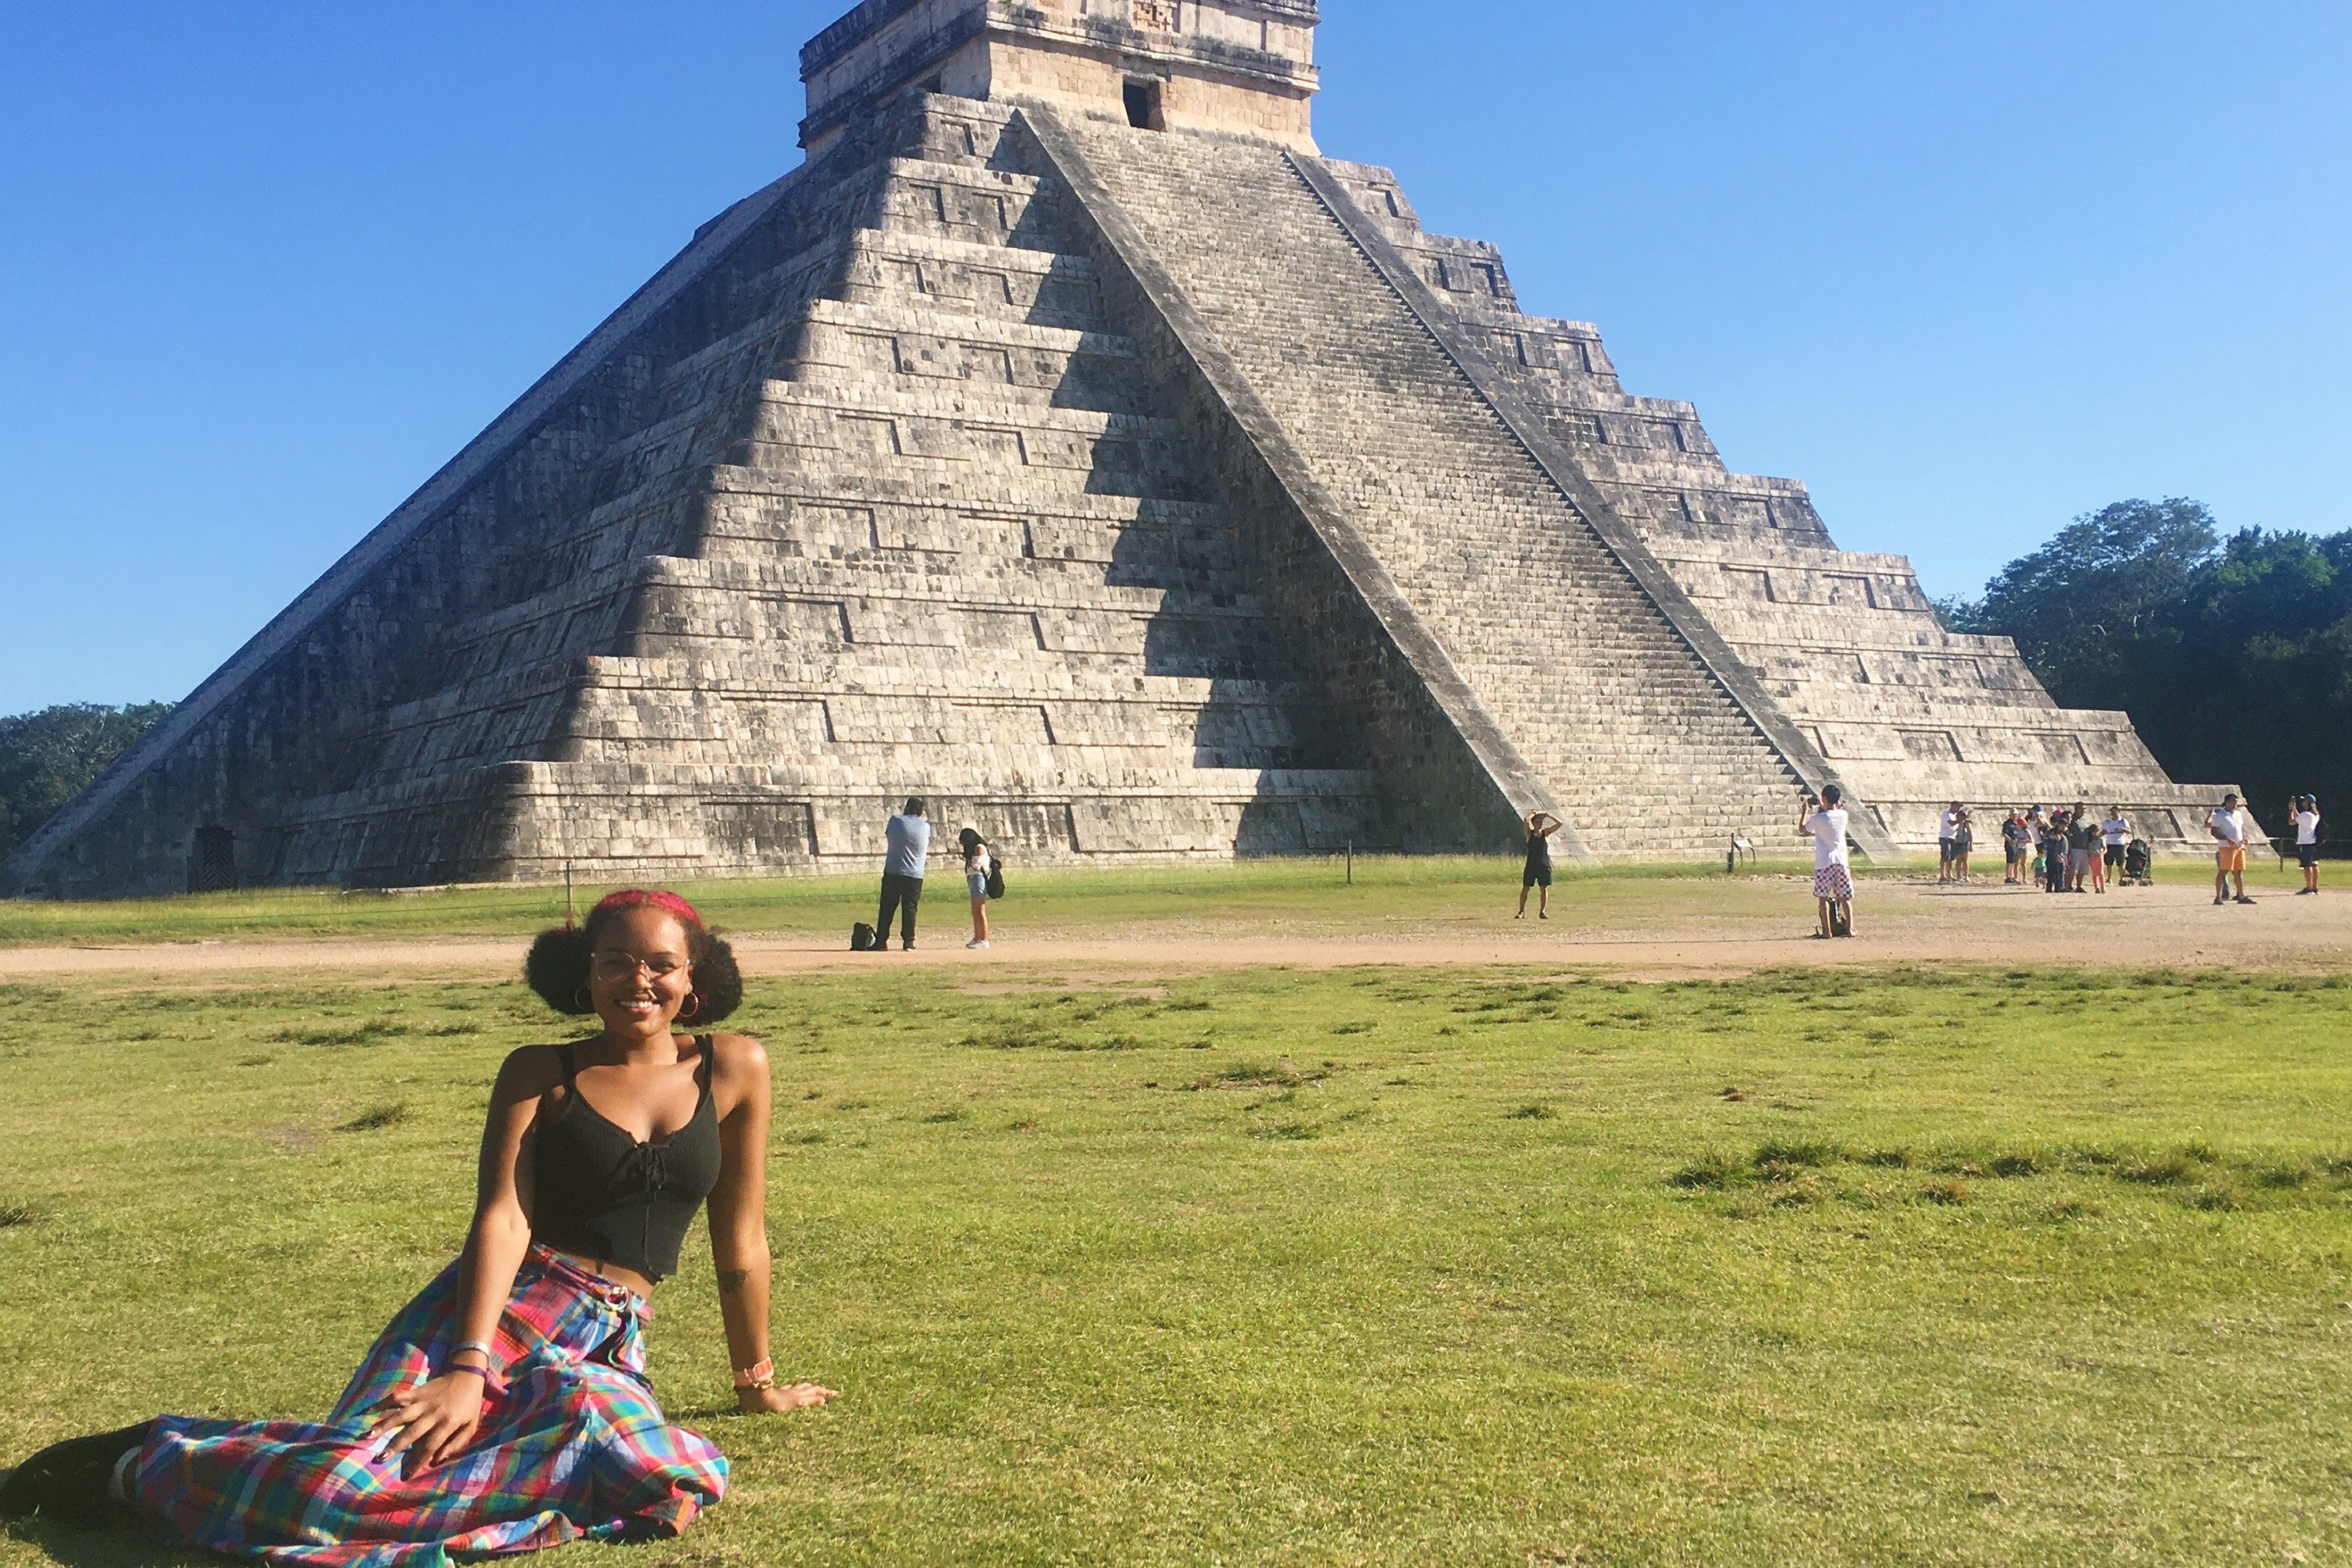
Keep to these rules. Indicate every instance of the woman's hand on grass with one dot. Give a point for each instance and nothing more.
(777, 1401)
(434, 1421)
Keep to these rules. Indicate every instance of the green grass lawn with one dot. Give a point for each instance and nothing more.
(1429, 891)
(1057, 899)
(1372, 1266)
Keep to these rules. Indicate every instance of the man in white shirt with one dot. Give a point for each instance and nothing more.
(1947, 833)
(2115, 831)
(1825, 819)
(2228, 828)
(2305, 810)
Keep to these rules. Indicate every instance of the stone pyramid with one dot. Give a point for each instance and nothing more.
(1070, 444)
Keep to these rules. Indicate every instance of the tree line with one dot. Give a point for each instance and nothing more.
(2232, 652)
(47, 756)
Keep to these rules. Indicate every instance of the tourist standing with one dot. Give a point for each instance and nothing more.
(2305, 813)
(908, 838)
(2082, 841)
(1964, 839)
(2017, 848)
(2053, 852)
(975, 880)
(1536, 872)
(1947, 833)
(2117, 831)
(506, 1407)
(2228, 828)
(1824, 817)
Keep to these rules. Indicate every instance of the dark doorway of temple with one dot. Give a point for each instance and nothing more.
(211, 861)
(1143, 106)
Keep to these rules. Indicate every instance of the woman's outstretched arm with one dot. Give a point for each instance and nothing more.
(738, 1223)
(436, 1420)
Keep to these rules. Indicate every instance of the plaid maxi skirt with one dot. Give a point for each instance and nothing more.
(571, 1445)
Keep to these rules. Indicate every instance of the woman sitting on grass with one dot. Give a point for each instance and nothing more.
(506, 1407)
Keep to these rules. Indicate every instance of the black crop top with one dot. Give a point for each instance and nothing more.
(600, 1193)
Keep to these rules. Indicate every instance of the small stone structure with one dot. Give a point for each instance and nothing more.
(1067, 442)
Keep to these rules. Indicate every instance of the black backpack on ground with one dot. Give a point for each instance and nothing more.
(861, 938)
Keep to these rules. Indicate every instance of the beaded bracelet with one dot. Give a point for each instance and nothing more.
(762, 1375)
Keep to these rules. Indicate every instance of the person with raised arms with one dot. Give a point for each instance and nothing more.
(1536, 871)
(1824, 817)
(2303, 811)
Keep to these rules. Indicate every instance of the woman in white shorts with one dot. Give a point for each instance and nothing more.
(975, 882)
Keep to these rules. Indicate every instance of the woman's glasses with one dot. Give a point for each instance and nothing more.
(609, 964)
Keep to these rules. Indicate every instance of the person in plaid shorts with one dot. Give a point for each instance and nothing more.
(507, 1407)
(1824, 818)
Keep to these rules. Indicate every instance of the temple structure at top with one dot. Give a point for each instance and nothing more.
(1243, 66)
(1067, 441)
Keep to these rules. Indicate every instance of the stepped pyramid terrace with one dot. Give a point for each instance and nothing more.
(1069, 442)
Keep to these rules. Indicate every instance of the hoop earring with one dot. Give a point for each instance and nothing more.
(691, 1008)
(587, 1003)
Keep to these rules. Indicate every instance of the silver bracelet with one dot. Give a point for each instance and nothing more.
(483, 1370)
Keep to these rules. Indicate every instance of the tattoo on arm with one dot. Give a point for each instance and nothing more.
(733, 1279)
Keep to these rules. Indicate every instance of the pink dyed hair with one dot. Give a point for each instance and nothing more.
(647, 899)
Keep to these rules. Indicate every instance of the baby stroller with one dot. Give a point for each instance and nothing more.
(2138, 864)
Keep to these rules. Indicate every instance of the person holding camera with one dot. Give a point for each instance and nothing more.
(909, 840)
(1823, 816)
(2303, 811)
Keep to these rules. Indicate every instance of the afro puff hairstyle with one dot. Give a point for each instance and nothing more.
(556, 967)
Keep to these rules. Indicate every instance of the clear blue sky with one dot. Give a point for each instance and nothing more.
(1966, 269)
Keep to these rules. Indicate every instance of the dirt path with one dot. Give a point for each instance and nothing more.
(1900, 922)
